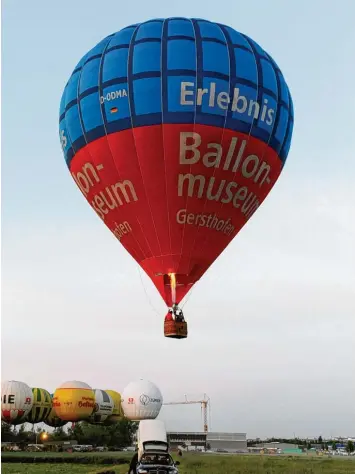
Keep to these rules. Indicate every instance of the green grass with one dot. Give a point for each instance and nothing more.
(207, 464)
(107, 454)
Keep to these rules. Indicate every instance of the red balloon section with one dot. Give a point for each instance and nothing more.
(175, 195)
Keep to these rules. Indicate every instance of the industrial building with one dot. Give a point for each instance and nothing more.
(205, 440)
(231, 442)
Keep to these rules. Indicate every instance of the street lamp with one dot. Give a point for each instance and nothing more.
(43, 436)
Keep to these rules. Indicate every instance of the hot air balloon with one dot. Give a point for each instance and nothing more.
(175, 130)
(42, 406)
(141, 400)
(117, 412)
(103, 406)
(74, 401)
(16, 401)
(53, 420)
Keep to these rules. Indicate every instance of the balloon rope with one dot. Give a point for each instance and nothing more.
(187, 297)
(146, 293)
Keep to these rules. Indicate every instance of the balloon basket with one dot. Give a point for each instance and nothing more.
(175, 329)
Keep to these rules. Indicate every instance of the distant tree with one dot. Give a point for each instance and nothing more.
(25, 436)
(334, 446)
(120, 434)
(7, 433)
(350, 447)
(320, 440)
(22, 431)
(59, 434)
(309, 446)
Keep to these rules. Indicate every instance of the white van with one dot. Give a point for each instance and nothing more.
(153, 455)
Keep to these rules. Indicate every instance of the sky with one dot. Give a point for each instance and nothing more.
(272, 323)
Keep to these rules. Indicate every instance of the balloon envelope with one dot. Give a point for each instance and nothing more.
(53, 420)
(175, 131)
(16, 401)
(103, 406)
(74, 401)
(117, 412)
(42, 406)
(141, 400)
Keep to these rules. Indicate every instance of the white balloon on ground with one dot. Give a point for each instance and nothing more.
(16, 401)
(141, 400)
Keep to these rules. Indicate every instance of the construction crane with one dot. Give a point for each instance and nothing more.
(205, 407)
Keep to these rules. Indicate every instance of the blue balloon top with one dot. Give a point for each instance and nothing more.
(176, 70)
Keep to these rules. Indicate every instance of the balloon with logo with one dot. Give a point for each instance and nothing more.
(103, 406)
(16, 401)
(175, 130)
(53, 420)
(141, 400)
(74, 401)
(42, 406)
(117, 412)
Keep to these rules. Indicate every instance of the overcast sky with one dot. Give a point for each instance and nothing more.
(272, 323)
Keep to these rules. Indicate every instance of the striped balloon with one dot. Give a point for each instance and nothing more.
(42, 406)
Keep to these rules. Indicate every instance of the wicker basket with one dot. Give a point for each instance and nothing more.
(175, 330)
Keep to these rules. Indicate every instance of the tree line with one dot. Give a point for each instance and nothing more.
(119, 435)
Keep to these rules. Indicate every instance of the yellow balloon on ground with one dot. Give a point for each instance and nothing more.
(74, 401)
(42, 406)
(117, 412)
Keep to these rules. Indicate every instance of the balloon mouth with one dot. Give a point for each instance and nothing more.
(176, 285)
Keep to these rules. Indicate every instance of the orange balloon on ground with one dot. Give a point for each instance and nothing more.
(74, 401)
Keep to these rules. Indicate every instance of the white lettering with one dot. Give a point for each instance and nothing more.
(216, 155)
(113, 95)
(184, 147)
(191, 179)
(223, 99)
(184, 93)
(236, 99)
(250, 159)
(211, 221)
(214, 188)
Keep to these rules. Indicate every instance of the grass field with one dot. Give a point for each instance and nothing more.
(207, 464)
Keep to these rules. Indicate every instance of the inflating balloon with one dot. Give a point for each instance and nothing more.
(53, 420)
(141, 400)
(117, 412)
(175, 131)
(74, 401)
(42, 406)
(103, 406)
(16, 401)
